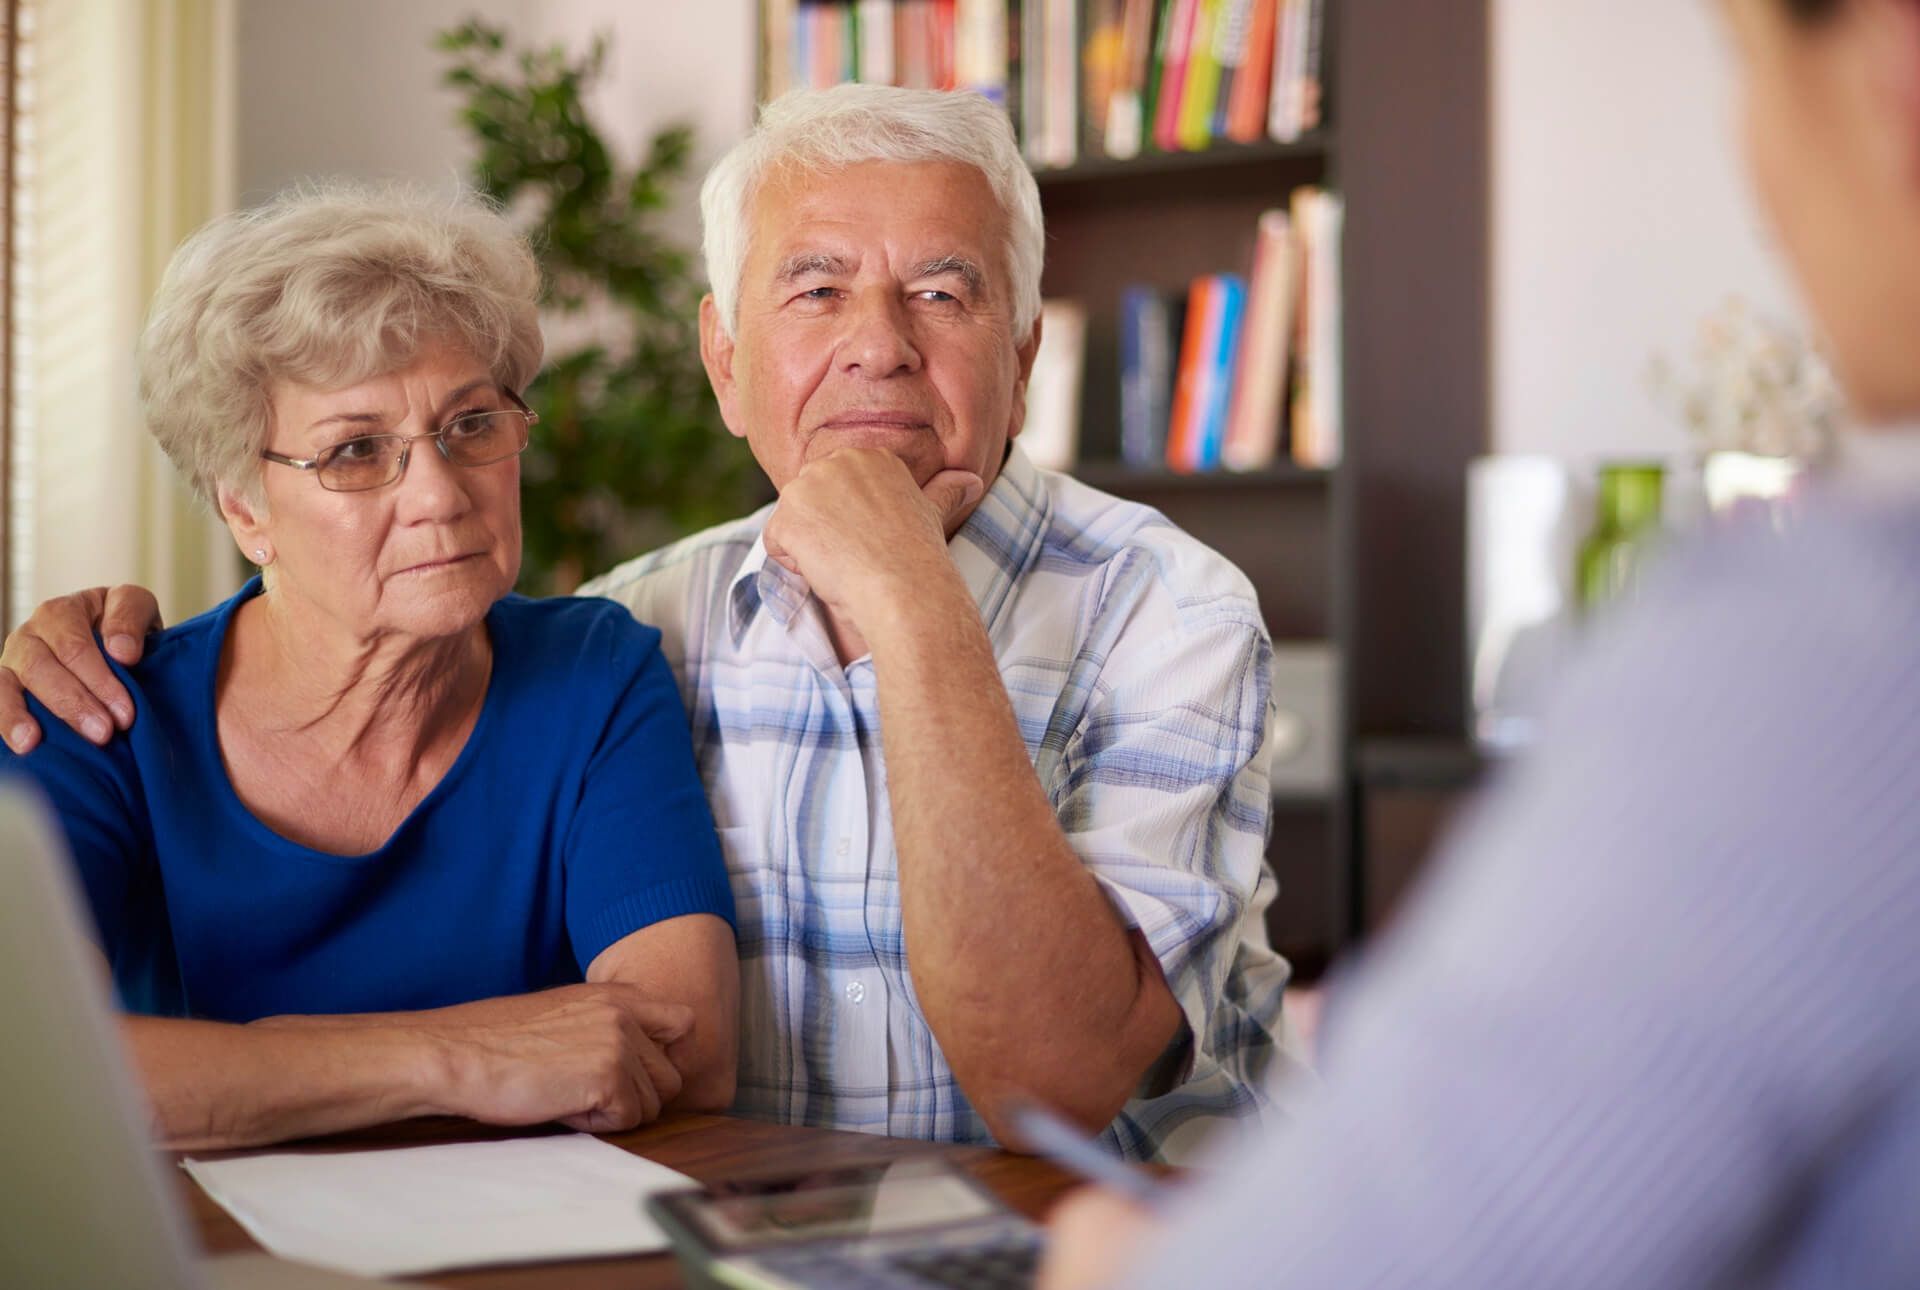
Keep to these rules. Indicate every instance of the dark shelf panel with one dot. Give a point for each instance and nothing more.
(1418, 762)
(1221, 156)
(1117, 477)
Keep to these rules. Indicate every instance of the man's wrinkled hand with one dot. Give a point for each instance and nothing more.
(54, 657)
(858, 528)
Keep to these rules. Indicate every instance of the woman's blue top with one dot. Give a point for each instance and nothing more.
(573, 817)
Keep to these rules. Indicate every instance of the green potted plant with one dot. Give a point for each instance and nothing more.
(630, 451)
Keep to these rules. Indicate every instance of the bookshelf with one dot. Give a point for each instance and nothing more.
(1365, 555)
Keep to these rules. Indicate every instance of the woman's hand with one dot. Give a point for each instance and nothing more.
(592, 1057)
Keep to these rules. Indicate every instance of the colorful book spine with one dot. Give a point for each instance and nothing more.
(1247, 111)
(1183, 430)
(1230, 52)
(1125, 123)
(1195, 128)
(941, 40)
(1231, 295)
(1173, 75)
(913, 44)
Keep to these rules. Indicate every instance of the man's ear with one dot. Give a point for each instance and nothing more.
(716, 353)
(1023, 353)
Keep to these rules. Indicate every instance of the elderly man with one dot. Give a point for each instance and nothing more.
(983, 744)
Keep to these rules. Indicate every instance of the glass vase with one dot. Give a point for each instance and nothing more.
(1625, 526)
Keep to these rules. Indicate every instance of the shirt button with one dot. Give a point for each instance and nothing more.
(856, 992)
(846, 845)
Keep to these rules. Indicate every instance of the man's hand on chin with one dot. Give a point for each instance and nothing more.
(863, 534)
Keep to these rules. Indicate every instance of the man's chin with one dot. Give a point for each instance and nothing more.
(916, 447)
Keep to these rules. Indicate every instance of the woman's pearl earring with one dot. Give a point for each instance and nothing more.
(259, 555)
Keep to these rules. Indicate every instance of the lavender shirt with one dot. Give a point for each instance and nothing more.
(1655, 1020)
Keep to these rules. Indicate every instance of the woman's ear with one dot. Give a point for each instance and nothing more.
(246, 519)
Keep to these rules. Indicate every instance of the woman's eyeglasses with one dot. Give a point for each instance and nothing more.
(376, 460)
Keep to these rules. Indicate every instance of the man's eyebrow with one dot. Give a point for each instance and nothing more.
(957, 266)
(805, 263)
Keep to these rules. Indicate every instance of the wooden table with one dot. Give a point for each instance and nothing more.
(705, 1147)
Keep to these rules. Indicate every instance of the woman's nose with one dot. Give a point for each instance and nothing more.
(432, 487)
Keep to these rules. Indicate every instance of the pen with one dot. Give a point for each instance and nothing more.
(1052, 1137)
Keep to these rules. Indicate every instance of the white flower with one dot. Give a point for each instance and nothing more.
(1759, 388)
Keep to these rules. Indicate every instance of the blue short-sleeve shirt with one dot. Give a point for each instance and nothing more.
(572, 817)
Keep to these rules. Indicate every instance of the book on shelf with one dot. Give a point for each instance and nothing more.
(1294, 106)
(1049, 53)
(1221, 362)
(1247, 96)
(1237, 373)
(1124, 127)
(1102, 53)
(1051, 432)
(1230, 35)
(980, 43)
(1175, 50)
(874, 59)
(1260, 381)
(1151, 323)
(1079, 77)
(942, 42)
(1194, 129)
(1318, 218)
(1196, 426)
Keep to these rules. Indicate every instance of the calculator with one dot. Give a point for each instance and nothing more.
(911, 1224)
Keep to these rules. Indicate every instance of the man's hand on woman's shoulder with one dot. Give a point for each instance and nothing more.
(56, 657)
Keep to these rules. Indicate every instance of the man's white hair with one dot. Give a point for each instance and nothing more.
(819, 130)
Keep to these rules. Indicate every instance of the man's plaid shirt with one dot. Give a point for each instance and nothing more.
(1137, 663)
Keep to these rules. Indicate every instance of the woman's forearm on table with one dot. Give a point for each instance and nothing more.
(211, 1084)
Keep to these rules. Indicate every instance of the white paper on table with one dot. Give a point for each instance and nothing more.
(423, 1209)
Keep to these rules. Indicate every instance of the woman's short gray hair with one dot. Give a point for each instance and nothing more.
(809, 130)
(325, 286)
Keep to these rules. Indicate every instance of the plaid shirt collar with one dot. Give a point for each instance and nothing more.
(996, 545)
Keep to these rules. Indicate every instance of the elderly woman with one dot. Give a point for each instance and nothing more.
(388, 840)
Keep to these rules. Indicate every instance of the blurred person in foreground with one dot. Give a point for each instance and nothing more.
(941, 698)
(375, 806)
(1656, 1021)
